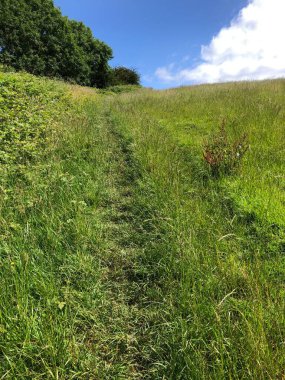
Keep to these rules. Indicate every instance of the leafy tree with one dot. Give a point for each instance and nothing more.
(34, 36)
(122, 75)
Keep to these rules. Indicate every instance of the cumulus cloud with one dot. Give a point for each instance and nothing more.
(252, 47)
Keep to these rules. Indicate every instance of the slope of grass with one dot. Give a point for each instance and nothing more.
(121, 257)
(64, 311)
(219, 265)
(192, 114)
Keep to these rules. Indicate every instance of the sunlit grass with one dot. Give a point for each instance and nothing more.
(58, 318)
(121, 255)
(218, 247)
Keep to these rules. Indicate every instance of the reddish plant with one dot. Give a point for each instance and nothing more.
(222, 155)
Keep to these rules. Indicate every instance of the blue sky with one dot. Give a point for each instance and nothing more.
(163, 39)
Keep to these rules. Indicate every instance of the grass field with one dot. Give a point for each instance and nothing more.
(121, 255)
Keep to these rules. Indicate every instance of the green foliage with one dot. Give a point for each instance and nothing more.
(35, 37)
(23, 118)
(222, 155)
(124, 76)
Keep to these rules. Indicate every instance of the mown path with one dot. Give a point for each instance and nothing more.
(120, 259)
(132, 278)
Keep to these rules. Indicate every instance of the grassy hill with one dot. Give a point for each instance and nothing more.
(123, 253)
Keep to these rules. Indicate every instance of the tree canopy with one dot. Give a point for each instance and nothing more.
(37, 38)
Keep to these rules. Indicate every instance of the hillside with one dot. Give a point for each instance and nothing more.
(124, 255)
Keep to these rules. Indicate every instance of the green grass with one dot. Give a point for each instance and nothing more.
(218, 248)
(60, 315)
(121, 256)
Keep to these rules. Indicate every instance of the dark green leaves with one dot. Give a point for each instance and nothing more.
(35, 37)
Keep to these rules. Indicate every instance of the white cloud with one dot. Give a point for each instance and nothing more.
(252, 47)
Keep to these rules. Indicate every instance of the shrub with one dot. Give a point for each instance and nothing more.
(123, 75)
(222, 155)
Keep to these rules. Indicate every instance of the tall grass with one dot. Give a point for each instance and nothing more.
(216, 262)
(121, 255)
(60, 315)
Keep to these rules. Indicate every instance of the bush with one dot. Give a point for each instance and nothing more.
(123, 76)
(222, 155)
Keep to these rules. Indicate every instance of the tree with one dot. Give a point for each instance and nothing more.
(123, 75)
(34, 36)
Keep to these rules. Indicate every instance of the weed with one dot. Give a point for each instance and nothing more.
(222, 155)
